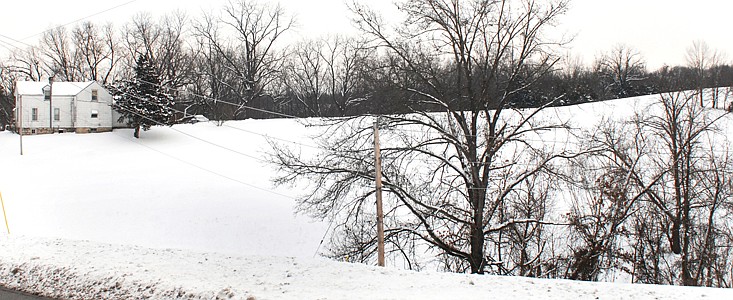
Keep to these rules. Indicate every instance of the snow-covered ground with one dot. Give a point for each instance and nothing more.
(166, 190)
(96, 216)
(88, 270)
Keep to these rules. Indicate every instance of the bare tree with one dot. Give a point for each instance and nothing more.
(243, 41)
(347, 62)
(305, 76)
(163, 43)
(326, 76)
(603, 197)
(28, 64)
(7, 99)
(87, 53)
(465, 61)
(523, 246)
(670, 159)
(96, 51)
(704, 60)
(623, 67)
(141, 36)
(173, 58)
(61, 58)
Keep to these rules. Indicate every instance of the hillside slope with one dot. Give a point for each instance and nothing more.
(96, 216)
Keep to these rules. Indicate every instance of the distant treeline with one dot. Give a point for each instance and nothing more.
(216, 68)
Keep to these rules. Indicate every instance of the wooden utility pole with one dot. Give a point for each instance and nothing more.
(50, 104)
(20, 122)
(380, 213)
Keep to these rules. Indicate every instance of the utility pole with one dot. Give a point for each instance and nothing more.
(20, 122)
(380, 213)
(50, 104)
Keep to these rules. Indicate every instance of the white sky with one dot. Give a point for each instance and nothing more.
(660, 29)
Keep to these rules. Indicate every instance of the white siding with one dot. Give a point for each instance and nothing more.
(63, 103)
(85, 106)
(75, 107)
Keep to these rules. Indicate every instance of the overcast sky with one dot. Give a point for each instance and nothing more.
(660, 29)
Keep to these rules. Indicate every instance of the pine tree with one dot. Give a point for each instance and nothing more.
(142, 100)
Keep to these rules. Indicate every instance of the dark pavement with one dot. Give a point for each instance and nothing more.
(6, 294)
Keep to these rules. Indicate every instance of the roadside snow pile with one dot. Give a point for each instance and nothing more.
(86, 270)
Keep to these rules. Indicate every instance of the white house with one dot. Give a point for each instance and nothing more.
(81, 107)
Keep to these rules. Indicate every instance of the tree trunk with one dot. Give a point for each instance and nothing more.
(477, 233)
(477, 253)
(687, 279)
(675, 240)
(137, 132)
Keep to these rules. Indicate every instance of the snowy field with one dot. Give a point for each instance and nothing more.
(166, 190)
(189, 212)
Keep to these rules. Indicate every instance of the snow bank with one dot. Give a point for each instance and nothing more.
(88, 270)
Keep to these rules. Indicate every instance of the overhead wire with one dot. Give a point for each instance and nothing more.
(295, 117)
(81, 19)
(439, 160)
(51, 29)
(319, 148)
(177, 130)
(242, 105)
(14, 40)
(67, 114)
(209, 170)
(238, 128)
(235, 151)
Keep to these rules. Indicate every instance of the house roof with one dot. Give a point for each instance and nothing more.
(59, 88)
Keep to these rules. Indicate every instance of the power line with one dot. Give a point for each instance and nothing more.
(174, 129)
(232, 127)
(241, 129)
(193, 164)
(5, 45)
(225, 102)
(54, 28)
(190, 135)
(238, 105)
(275, 138)
(14, 40)
(208, 170)
(446, 160)
(77, 20)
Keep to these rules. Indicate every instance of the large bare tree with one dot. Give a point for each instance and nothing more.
(455, 162)
(241, 44)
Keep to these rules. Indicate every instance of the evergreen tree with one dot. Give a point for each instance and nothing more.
(142, 100)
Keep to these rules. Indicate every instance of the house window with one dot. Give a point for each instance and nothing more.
(34, 114)
(95, 113)
(94, 95)
(46, 94)
(56, 114)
